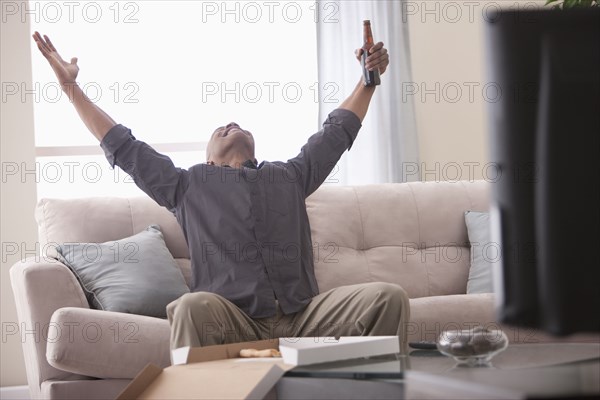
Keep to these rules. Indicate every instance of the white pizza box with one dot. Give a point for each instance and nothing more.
(299, 351)
(313, 350)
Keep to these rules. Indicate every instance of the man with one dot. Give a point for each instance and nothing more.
(247, 227)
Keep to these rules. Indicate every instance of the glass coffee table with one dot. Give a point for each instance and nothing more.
(521, 371)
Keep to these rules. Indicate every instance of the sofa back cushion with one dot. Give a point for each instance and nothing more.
(412, 234)
(101, 219)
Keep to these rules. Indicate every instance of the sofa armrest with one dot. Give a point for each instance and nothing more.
(42, 286)
(106, 344)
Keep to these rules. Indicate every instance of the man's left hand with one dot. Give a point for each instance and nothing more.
(378, 57)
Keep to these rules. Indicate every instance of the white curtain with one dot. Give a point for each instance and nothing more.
(386, 149)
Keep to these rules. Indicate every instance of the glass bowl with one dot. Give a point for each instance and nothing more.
(472, 347)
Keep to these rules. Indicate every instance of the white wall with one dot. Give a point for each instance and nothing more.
(17, 198)
(447, 50)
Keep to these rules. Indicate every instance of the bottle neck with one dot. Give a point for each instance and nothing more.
(367, 36)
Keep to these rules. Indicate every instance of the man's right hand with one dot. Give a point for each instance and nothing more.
(65, 72)
(96, 120)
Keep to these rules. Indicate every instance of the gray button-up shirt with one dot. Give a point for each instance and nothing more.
(247, 229)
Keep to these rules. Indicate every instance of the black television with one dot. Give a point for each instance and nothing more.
(544, 140)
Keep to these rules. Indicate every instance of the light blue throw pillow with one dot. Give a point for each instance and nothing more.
(136, 275)
(483, 252)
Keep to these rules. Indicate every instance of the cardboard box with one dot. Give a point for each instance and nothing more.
(217, 372)
(313, 350)
(212, 372)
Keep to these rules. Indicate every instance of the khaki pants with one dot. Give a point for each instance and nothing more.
(204, 319)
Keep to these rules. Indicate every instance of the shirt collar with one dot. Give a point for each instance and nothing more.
(250, 164)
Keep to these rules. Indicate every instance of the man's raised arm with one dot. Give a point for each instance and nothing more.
(96, 120)
(319, 155)
(151, 171)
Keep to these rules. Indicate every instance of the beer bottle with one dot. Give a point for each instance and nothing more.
(371, 78)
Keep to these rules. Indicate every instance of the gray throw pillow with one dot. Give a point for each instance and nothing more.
(135, 275)
(483, 253)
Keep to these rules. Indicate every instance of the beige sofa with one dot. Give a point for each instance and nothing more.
(410, 234)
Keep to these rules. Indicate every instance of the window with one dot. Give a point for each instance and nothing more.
(172, 71)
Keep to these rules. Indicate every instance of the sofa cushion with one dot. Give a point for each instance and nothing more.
(185, 265)
(100, 219)
(429, 316)
(134, 275)
(106, 344)
(411, 234)
(482, 253)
